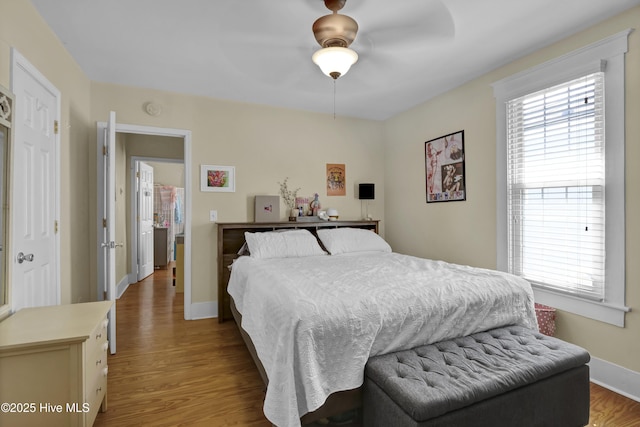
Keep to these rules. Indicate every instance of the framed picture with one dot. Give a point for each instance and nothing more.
(444, 161)
(336, 180)
(267, 209)
(217, 178)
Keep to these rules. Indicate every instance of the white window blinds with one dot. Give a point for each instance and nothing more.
(555, 191)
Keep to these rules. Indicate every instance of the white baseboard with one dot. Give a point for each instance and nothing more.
(204, 310)
(616, 378)
(122, 286)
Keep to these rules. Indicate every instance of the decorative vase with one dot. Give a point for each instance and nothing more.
(293, 214)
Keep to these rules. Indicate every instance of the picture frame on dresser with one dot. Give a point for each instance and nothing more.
(267, 209)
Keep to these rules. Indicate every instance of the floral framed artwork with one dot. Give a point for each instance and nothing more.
(444, 164)
(217, 178)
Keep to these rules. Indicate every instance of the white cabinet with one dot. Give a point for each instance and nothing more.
(53, 365)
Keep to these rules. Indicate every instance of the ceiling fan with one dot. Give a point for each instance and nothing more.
(335, 33)
(271, 42)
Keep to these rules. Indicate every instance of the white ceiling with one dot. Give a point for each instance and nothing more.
(259, 51)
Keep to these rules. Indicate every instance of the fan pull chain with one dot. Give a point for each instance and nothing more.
(334, 99)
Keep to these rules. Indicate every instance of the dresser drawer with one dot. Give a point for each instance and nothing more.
(96, 369)
(96, 393)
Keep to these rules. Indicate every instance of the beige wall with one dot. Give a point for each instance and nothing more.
(168, 174)
(465, 232)
(23, 28)
(265, 145)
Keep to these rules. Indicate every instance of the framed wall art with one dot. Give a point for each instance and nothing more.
(217, 178)
(444, 164)
(336, 179)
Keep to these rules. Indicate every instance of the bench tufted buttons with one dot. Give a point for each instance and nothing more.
(482, 365)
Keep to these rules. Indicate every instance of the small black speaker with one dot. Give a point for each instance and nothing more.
(366, 191)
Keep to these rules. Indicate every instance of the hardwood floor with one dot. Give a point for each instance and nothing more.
(171, 372)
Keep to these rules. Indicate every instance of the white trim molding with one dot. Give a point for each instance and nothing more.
(186, 135)
(607, 55)
(122, 286)
(615, 378)
(204, 310)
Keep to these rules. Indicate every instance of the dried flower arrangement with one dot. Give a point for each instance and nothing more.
(288, 195)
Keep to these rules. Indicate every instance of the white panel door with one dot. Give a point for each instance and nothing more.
(109, 211)
(34, 190)
(145, 220)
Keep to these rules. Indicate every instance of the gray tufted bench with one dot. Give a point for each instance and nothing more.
(509, 376)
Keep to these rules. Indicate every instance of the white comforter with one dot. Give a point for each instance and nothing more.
(316, 320)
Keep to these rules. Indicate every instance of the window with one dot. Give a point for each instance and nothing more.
(555, 187)
(560, 177)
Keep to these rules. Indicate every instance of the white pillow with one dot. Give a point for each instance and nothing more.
(349, 240)
(283, 244)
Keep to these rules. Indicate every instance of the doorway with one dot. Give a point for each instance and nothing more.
(166, 196)
(183, 136)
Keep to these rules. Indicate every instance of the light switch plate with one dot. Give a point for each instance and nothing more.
(213, 216)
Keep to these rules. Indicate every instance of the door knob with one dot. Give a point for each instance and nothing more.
(22, 258)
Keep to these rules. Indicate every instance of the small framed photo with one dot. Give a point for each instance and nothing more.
(444, 161)
(267, 209)
(217, 178)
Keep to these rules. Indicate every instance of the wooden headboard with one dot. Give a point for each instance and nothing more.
(231, 239)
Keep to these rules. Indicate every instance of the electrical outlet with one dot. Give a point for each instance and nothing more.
(213, 216)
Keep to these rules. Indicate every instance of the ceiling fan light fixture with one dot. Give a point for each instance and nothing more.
(335, 61)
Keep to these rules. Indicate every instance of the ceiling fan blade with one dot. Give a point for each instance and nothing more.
(260, 41)
(423, 23)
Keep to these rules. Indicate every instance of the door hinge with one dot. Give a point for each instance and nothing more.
(104, 150)
(55, 127)
(104, 222)
(138, 174)
(55, 226)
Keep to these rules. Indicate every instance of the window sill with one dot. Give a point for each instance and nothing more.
(603, 312)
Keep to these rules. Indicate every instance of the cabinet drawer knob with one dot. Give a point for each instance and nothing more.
(98, 362)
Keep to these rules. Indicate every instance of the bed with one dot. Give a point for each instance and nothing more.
(312, 320)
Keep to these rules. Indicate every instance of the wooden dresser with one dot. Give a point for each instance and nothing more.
(53, 365)
(231, 239)
(161, 249)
